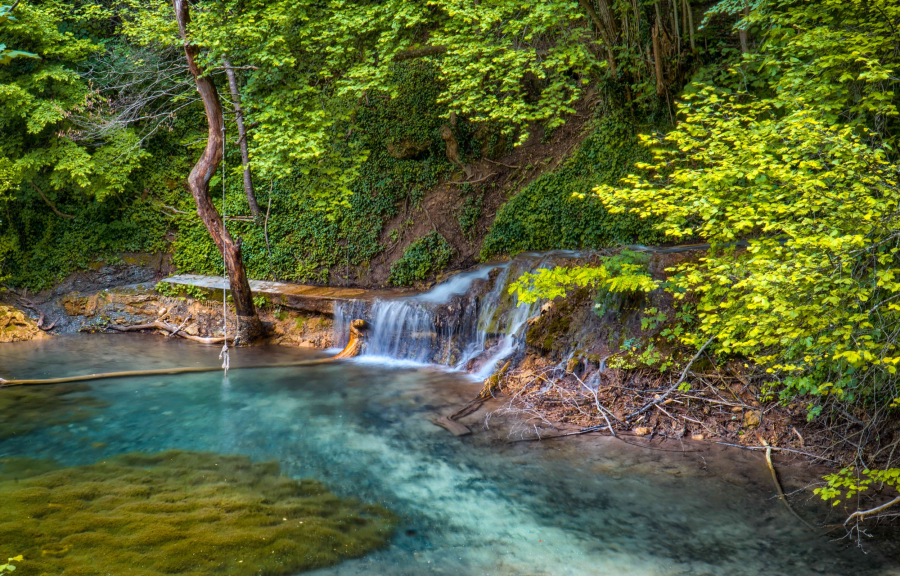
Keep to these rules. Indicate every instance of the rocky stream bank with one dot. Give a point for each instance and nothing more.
(552, 369)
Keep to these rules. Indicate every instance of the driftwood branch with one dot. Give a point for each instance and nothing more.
(177, 330)
(861, 514)
(781, 495)
(157, 325)
(353, 348)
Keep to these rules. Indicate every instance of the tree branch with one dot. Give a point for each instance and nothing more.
(684, 374)
(49, 203)
(862, 513)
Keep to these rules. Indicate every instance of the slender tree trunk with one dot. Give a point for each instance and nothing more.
(690, 16)
(657, 62)
(249, 326)
(606, 30)
(675, 22)
(242, 138)
(742, 33)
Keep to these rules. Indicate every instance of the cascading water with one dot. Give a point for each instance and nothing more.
(461, 323)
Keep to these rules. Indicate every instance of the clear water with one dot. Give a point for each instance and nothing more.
(476, 505)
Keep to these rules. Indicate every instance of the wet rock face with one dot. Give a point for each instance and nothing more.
(142, 304)
(15, 326)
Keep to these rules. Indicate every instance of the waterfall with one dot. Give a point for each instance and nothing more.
(469, 322)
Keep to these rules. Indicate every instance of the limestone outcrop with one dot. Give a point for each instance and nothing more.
(15, 326)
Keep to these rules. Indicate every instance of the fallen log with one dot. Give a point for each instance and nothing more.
(158, 325)
(352, 349)
(487, 391)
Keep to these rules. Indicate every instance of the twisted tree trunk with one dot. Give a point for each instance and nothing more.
(249, 326)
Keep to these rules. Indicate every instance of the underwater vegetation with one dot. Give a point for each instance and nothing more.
(179, 512)
(24, 408)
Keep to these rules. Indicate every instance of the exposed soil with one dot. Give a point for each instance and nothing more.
(495, 180)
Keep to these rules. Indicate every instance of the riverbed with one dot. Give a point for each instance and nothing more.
(474, 505)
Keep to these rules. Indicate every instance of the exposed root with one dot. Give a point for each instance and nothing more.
(781, 495)
(25, 303)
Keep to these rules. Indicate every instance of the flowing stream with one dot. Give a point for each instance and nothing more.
(476, 505)
(458, 323)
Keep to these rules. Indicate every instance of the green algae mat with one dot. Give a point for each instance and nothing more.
(178, 513)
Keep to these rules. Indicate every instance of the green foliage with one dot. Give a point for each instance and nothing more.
(8, 54)
(545, 215)
(8, 567)
(625, 273)
(798, 164)
(850, 481)
(306, 247)
(822, 226)
(423, 258)
(45, 160)
(469, 214)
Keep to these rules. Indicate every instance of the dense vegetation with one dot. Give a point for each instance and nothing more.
(104, 124)
(546, 215)
(770, 131)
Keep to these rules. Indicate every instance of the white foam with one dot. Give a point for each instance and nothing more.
(457, 285)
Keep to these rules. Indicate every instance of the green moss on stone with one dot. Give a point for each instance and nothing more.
(182, 513)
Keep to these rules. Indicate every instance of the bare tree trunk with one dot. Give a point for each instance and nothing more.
(249, 326)
(606, 28)
(657, 62)
(742, 33)
(675, 22)
(242, 139)
(690, 16)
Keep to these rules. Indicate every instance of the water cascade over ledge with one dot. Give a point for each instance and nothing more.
(469, 322)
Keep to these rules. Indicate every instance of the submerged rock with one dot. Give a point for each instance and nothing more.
(183, 513)
(15, 326)
(26, 408)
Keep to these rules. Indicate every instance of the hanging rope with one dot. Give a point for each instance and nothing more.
(223, 355)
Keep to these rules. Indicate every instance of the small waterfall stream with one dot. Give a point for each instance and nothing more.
(469, 323)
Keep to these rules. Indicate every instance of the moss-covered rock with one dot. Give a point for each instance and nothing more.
(182, 513)
(24, 408)
(15, 326)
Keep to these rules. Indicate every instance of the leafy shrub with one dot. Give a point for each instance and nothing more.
(424, 257)
(304, 244)
(545, 216)
(623, 274)
(469, 214)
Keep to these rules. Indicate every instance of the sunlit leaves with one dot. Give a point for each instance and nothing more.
(624, 273)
